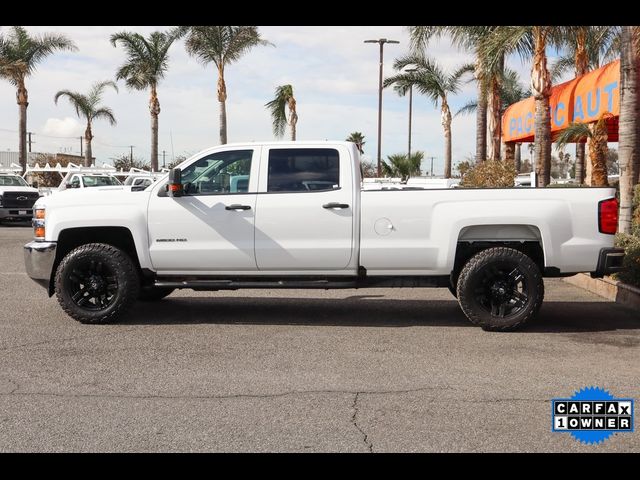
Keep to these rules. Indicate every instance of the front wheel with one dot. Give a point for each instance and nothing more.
(500, 289)
(96, 283)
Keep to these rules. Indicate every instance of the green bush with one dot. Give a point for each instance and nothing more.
(631, 245)
(636, 211)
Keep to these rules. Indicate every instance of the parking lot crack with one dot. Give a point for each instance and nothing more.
(67, 339)
(354, 421)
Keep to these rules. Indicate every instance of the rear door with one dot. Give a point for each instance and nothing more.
(304, 211)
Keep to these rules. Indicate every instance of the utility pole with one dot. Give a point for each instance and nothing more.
(131, 154)
(80, 146)
(29, 140)
(380, 41)
(163, 154)
(432, 166)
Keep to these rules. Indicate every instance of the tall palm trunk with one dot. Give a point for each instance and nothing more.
(222, 98)
(510, 152)
(22, 96)
(481, 116)
(582, 66)
(154, 108)
(495, 105)
(580, 170)
(598, 154)
(293, 117)
(446, 125)
(88, 136)
(541, 88)
(628, 128)
(518, 157)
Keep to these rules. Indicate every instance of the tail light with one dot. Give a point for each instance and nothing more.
(608, 216)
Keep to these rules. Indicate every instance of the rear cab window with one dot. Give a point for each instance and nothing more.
(303, 170)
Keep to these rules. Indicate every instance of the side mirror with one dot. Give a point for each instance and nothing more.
(34, 184)
(174, 187)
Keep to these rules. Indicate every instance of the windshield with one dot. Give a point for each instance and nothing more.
(99, 181)
(12, 181)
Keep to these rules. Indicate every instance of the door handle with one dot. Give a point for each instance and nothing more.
(335, 205)
(236, 206)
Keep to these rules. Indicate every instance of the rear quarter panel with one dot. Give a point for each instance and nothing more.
(426, 225)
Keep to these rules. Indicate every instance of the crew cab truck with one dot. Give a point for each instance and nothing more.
(16, 197)
(293, 215)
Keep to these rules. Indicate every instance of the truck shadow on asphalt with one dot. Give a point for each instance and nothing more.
(367, 311)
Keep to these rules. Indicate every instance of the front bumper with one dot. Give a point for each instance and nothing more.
(609, 261)
(14, 213)
(38, 260)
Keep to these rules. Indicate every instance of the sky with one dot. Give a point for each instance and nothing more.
(333, 73)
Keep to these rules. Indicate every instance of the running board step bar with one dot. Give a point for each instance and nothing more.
(238, 284)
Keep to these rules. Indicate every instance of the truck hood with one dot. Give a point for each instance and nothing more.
(98, 196)
(18, 189)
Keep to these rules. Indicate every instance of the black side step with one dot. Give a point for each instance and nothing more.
(254, 283)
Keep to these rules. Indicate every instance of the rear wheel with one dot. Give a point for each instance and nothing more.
(96, 283)
(500, 289)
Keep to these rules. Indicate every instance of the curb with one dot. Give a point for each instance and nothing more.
(608, 288)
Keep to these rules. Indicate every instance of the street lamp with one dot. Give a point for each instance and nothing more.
(380, 41)
(410, 70)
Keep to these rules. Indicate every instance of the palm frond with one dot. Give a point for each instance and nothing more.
(221, 45)
(147, 58)
(277, 107)
(105, 113)
(468, 108)
(575, 132)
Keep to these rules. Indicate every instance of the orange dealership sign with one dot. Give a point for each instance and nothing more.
(583, 99)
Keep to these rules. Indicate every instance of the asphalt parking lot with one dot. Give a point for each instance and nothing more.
(305, 371)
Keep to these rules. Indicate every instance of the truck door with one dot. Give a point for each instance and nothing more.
(305, 209)
(210, 228)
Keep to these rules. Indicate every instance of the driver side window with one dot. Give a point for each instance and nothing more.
(219, 173)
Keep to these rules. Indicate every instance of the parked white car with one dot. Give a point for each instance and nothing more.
(293, 215)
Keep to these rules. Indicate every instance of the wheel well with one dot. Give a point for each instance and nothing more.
(71, 238)
(466, 249)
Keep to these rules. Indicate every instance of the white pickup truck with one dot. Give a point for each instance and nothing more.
(293, 215)
(16, 197)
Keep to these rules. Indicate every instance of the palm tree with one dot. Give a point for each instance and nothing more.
(530, 41)
(221, 45)
(435, 83)
(403, 166)
(146, 63)
(597, 136)
(88, 107)
(486, 73)
(511, 91)
(20, 53)
(585, 46)
(358, 139)
(629, 155)
(283, 99)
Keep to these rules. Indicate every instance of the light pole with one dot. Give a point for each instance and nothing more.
(380, 41)
(410, 70)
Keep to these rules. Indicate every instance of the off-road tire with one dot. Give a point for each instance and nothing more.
(118, 269)
(473, 278)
